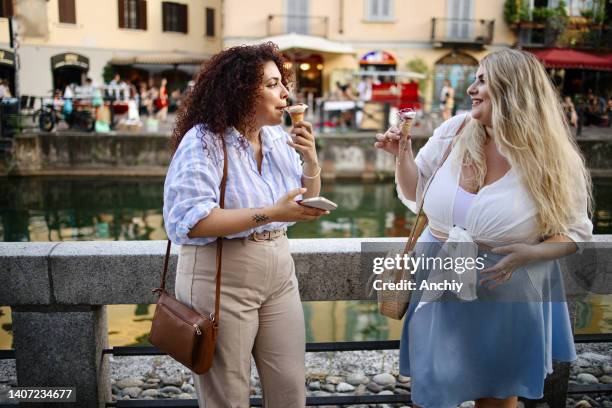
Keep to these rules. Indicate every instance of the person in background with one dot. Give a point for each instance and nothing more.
(343, 92)
(364, 88)
(447, 100)
(570, 111)
(5, 91)
(593, 112)
(97, 101)
(87, 90)
(114, 87)
(161, 103)
(143, 99)
(609, 111)
(152, 93)
(119, 89)
(116, 81)
(58, 101)
(175, 100)
(68, 96)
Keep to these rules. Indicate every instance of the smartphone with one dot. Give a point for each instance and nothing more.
(320, 203)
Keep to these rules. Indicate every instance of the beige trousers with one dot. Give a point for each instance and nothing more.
(261, 314)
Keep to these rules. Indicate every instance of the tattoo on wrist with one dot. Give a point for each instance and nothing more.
(260, 218)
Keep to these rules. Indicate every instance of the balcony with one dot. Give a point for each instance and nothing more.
(578, 34)
(452, 32)
(279, 24)
(537, 35)
(593, 37)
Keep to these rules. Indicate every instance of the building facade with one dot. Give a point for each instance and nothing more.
(65, 41)
(331, 39)
(329, 42)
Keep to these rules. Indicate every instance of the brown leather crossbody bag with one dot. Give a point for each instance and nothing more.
(180, 331)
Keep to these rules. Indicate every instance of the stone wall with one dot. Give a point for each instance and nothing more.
(76, 153)
(344, 155)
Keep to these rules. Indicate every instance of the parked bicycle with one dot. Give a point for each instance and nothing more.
(78, 116)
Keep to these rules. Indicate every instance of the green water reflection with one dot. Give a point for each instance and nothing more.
(64, 209)
(44, 209)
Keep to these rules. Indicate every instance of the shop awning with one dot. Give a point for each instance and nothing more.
(573, 59)
(377, 58)
(287, 42)
(172, 58)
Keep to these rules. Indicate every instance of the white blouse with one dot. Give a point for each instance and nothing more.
(501, 213)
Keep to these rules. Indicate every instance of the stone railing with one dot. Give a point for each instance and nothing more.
(58, 293)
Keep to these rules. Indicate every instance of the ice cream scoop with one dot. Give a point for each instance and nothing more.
(406, 117)
(296, 112)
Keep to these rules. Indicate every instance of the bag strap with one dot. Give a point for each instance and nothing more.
(421, 220)
(220, 239)
(162, 286)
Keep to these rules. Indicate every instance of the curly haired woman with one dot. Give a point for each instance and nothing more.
(516, 185)
(238, 100)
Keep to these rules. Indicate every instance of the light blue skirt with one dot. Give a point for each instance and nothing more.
(459, 351)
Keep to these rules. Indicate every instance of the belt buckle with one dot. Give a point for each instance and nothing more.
(267, 235)
(260, 236)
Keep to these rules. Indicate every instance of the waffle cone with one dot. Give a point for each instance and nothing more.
(296, 117)
(405, 128)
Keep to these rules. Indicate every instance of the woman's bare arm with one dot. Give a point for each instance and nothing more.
(557, 246)
(406, 168)
(407, 174)
(223, 222)
(312, 184)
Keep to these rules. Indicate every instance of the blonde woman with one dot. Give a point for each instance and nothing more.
(516, 185)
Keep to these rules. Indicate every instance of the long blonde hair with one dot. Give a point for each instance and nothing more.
(532, 133)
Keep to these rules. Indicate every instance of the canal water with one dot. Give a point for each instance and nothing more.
(68, 209)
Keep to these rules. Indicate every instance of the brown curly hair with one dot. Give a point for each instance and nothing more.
(226, 89)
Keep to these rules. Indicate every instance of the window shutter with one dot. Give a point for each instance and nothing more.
(373, 9)
(142, 14)
(67, 12)
(183, 18)
(386, 9)
(165, 15)
(121, 8)
(9, 8)
(6, 8)
(210, 22)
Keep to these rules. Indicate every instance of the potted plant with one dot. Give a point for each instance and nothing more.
(511, 11)
(558, 19)
(516, 12)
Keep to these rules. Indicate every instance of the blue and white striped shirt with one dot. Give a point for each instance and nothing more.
(192, 184)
